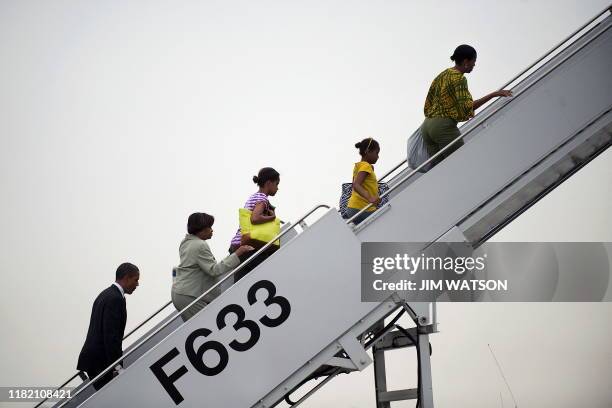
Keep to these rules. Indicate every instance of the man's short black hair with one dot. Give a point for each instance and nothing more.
(126, 269)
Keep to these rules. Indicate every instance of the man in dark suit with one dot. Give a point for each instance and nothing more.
(106, 327)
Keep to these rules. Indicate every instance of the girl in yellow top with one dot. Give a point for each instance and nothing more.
(365, 185)
(449, 101)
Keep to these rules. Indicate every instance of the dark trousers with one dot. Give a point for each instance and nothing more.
(254, 262)
(105, 379)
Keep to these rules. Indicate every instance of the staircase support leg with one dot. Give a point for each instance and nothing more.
(426, 391)
(380, 375)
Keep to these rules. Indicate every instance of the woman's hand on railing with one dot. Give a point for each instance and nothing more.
(374, 200)
(504, 93)
(243, 249)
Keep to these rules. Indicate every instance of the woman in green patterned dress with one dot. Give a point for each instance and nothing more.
(449, 102)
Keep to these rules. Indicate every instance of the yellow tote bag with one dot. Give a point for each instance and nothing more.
(261, 232)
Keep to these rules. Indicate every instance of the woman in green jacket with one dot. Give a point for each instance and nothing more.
(199, 270)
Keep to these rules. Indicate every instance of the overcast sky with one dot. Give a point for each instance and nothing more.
(120, 118)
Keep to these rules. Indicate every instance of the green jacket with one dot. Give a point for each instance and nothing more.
(199, 270)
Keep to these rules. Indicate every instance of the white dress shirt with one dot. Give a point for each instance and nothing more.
(120, 288)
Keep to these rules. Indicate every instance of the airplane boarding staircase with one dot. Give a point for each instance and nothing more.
(299, 314)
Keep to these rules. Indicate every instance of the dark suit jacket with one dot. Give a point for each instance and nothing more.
(106, 327)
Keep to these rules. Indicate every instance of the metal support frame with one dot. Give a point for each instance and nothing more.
(380, 376)
(396, 340)
(355, 351)
(325, 357)
(358, 359)
(426, 391)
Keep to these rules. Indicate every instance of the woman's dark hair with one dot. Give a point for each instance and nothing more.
(198, 221)
(366, 145)
(266, 174)
(462, 53)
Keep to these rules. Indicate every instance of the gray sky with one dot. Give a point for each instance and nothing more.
(119, 119)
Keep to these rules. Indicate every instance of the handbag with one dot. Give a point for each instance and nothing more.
(417, 152)
(265, 232)
(347, 190)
